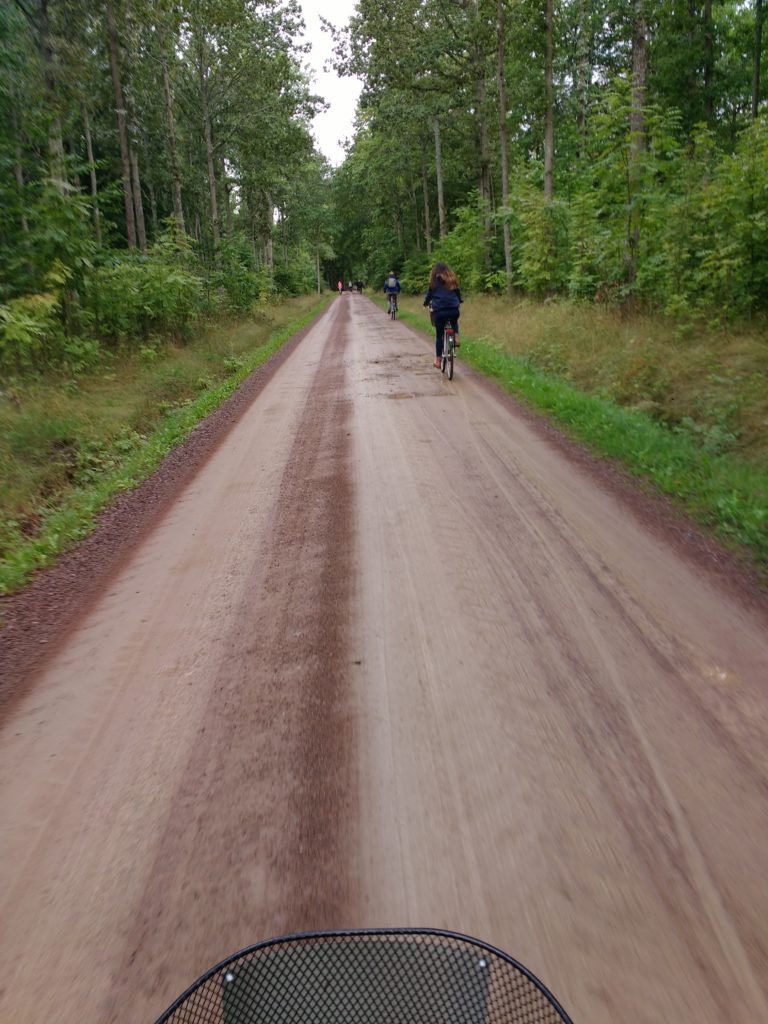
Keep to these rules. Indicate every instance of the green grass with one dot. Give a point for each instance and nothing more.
(721, 489)
(71, 445)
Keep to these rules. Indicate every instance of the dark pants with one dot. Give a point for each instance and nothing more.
(440, 320)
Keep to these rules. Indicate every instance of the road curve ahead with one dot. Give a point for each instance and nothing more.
(393, 658)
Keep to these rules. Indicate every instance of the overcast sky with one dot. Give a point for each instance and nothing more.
(337, 123)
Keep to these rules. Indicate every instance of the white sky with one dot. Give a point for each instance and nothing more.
(337, 123)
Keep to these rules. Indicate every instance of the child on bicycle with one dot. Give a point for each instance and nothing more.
(443, 298)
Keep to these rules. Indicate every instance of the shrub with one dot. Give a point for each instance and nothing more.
(27, 327)
(138, 296)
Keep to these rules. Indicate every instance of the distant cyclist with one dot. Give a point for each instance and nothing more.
(391, 289)
(443, 298)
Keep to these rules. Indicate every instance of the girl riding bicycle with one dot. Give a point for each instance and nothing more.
(443, 298)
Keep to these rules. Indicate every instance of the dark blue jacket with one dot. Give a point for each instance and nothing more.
(394, 289)
(442, 299)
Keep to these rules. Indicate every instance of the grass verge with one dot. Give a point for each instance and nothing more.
(72, 446)
(721, 490)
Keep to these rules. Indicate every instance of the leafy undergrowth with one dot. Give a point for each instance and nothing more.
(71, 445)
(690, 415)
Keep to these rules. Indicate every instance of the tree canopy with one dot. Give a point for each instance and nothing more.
(156, 158)
(585, 147)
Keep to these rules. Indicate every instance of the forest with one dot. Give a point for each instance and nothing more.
(157, 165)
(158, 160)
(600, 149)
(596, 172)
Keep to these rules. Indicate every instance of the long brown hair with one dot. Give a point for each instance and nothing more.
(441, 271)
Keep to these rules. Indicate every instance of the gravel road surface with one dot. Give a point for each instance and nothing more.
(393, 656)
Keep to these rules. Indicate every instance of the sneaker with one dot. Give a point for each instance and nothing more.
(439, 363)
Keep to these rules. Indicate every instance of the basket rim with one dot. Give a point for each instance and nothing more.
(298, 937)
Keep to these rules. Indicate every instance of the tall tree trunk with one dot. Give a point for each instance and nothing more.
(18, 168)
(549, 104)
(758, 57)
(439, 176)
(283, 238)
(212, 188)
(251, 211)
(398, 222)
(484, 146)
(226, 197)
(483, 142)
(709, 64)
(268, 226)
(18, 171)
(74, 156)
(425, 191)
(317, 268)
(637, 140)
(692, 46)
(583, 77)
(501, 81)
(416, 213)
(138, 205)
(92, 174)
(178, 209)
(55, 138)
(122, 127)
(153, 207)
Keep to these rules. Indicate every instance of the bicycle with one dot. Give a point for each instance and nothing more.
(449, 347)
(368, 976)
(392, 305)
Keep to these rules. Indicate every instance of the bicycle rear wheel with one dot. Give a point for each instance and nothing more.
(371, 976)
(448, 347)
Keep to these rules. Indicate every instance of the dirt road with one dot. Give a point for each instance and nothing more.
(393, 658)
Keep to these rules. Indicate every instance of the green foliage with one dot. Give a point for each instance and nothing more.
(415, 275)
(26, 326)
(543, 247)
(136, 296)
(237, 273)
(463, 248)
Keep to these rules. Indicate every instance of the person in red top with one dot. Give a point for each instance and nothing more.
(340, 286)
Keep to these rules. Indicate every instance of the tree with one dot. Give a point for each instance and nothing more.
(637, 139)
(122, 124)
(758, 57)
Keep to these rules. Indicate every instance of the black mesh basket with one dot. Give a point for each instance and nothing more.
(397, 976)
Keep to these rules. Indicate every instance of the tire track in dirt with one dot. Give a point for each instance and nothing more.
(265, 813)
